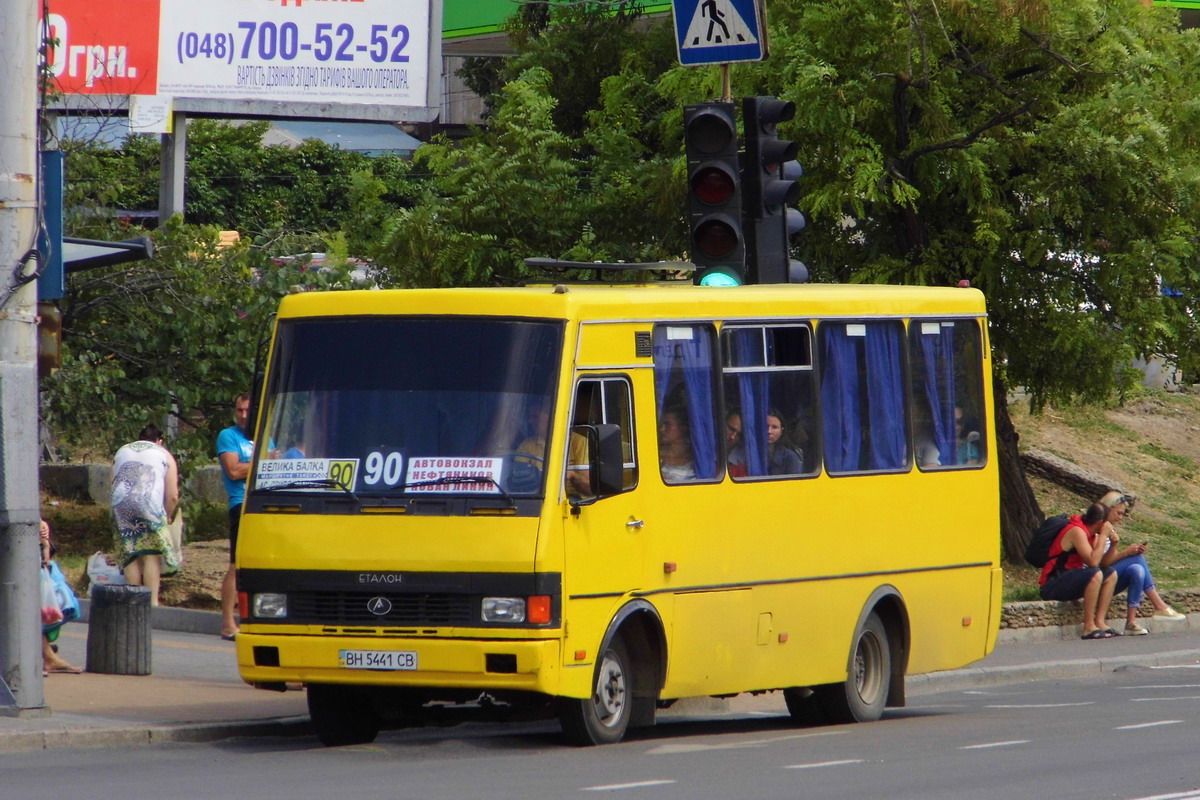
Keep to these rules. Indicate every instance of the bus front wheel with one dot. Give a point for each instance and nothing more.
(602, 718)
(863, 695)
(342, 715)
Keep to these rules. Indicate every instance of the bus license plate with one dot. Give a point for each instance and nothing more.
(377, 659)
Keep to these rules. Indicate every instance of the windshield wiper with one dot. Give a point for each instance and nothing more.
(450, 480)
(317, 483)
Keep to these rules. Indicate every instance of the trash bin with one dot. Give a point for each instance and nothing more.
(118, 641)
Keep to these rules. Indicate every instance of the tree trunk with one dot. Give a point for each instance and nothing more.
(1019, 509)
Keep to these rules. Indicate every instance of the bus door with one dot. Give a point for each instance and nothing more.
(606, 549)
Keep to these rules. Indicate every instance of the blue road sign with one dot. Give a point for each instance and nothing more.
(719, 31)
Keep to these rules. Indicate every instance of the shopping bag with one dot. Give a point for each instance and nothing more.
(67, 601)
(100, 571)
(51, 612)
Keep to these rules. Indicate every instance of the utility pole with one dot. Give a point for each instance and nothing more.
(21, 686)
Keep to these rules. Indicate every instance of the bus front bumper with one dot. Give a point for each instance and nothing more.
(270, 660)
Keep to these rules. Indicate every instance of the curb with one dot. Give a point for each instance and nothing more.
(132, 736)
(166, 618)
(974, 677)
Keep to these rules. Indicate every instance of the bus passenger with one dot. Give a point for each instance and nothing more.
(783, 457)
(967, 438)
(675, 447)
(1073, 571)
(735, 449)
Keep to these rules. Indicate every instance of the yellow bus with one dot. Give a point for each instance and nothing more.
(600, 499)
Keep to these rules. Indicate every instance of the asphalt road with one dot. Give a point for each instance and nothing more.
(1129, 733)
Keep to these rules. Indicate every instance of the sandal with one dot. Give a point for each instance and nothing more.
(1111, 632)
(1099, 633)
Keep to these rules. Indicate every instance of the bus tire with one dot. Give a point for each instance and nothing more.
(604, 717)
(341, 715)
(863, 695)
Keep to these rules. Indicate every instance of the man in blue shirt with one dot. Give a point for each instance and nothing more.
(234, 451)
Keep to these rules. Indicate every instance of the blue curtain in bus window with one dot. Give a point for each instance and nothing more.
(938, 352)
(753, 393)
(687, 350)
(840, 413)
(885, 396)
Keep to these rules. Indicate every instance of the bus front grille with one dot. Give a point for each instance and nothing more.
(340, 608)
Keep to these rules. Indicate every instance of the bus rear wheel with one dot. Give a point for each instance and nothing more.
(604, 717)
(863, 695)
(342, 715)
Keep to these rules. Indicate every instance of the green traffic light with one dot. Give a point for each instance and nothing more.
(719, 276)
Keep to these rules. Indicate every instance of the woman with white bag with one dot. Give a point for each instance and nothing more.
(145, 494)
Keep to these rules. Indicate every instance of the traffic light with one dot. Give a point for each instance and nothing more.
(769, 179)
(717, 242)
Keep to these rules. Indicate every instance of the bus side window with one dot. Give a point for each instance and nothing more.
(606, 400)
(770, 403)
(685, 383)
(947, 392)
(863, 396)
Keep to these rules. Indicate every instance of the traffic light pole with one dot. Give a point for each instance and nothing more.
(21, 686)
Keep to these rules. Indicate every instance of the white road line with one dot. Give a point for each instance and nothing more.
(616, 787)
(1160, 699)
(825, 764)
(675, 749)
(985, 746)
(1043, 705)
(1148, 725)
(1194, 794)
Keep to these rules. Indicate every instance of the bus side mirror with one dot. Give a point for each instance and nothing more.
(606, 460)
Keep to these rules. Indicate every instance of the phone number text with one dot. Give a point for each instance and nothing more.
(285, 41)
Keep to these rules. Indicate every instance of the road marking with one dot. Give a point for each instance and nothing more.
(675, 749)
(986, 745)
(1043, 705)
(825, 764)
(616, 787)
(1194, 794)
(1160, 699)
(1148, 725)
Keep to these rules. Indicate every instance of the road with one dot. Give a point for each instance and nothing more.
(1132, 733)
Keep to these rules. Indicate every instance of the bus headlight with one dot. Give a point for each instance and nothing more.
(269, 605)
(503, 609)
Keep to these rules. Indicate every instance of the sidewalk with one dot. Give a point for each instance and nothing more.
(195, 694)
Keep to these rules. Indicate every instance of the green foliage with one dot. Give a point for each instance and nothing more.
(1044, 151)
(233, 181)
(177, 335)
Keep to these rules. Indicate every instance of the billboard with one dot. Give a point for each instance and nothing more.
(348, 59)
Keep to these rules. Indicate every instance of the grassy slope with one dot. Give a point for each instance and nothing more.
(1151, 446)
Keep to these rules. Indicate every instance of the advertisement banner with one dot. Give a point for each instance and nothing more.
(312, 51)
(93, 49)
(351, 52)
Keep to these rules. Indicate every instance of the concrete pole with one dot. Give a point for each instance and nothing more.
(172, 168)
(21, 687)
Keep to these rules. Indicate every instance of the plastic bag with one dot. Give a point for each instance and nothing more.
(100, 571)
(51, 612)
(63, 592)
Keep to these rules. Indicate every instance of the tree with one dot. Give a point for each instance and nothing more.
(1043, 151)
(178, 335)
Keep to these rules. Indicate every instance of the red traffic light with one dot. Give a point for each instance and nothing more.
(716, 237)
(714, 184)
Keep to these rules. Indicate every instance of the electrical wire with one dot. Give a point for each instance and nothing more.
(20, 276)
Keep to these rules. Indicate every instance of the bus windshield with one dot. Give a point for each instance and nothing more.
(410, 406)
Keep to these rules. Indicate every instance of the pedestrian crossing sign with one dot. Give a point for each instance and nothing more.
(719, 31)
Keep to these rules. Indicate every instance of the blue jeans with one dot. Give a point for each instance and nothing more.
(1133, 573)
